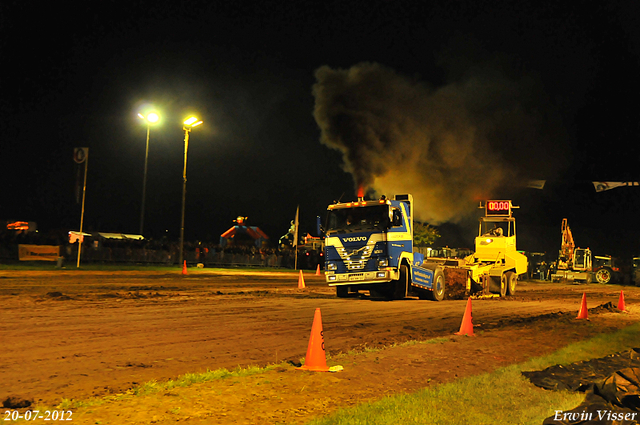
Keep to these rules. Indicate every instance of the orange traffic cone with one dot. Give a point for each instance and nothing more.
(466, 327)
(318, 271)
(184, 267)
(315, 361)
(301, 284)
(621, 305)
(583, 313)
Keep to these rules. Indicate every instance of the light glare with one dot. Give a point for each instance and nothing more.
(151, 118)
(191, 120)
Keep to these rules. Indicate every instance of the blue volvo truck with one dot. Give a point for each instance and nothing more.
(369, 246)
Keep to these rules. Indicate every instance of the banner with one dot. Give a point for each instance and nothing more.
(38, 252)
(536, 184)
(602, 186)
(296, 223)
(599, 186)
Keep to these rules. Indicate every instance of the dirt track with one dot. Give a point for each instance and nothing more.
(73, 334)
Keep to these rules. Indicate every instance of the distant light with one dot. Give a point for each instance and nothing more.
(18, 225)
(190, 121)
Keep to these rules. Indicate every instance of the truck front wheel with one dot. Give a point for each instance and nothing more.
(401, 286)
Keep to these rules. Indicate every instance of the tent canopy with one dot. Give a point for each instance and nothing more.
(240, 234)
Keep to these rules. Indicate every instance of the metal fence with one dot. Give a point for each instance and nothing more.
(135, 255)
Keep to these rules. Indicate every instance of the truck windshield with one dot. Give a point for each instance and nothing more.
(348, 220)
(493, 228)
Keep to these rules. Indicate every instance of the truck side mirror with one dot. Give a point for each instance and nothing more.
(397, 218)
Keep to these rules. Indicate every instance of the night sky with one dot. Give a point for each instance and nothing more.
(529, 90)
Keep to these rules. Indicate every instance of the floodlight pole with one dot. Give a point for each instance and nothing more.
(84, 192)
(187, 130)
(144, 181)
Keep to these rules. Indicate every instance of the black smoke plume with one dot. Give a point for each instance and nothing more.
(450, 146)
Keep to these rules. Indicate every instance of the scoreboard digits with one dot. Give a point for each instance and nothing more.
(498, 208)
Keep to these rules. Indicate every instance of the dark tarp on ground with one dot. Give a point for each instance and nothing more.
(611, 385)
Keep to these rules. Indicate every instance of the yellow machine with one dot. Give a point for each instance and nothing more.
(496, 264)
(494, 268)
(579, 264)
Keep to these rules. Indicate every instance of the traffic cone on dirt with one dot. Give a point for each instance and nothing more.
(621, 305)
(583, 313)
(301, 284)
(466, 327)
(184, 268)
(318, 271)
(315, 360)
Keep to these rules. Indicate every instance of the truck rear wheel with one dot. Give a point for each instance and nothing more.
(512, 281)
(437, 293)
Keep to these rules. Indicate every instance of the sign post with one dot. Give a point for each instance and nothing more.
(81, 155)
(295, 238)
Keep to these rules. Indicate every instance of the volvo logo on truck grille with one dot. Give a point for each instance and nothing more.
(355, 239)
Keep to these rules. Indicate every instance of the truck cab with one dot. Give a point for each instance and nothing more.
(367, 242)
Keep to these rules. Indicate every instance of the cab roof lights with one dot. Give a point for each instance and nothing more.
(359, 204)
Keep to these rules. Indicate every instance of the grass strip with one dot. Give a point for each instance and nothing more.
(501, 397)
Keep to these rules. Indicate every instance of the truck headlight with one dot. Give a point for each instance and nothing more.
(332, 266)
(383, 263)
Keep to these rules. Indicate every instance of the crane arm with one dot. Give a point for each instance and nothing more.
(568, 245)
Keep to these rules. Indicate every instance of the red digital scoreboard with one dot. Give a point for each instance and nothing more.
(498, 208)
